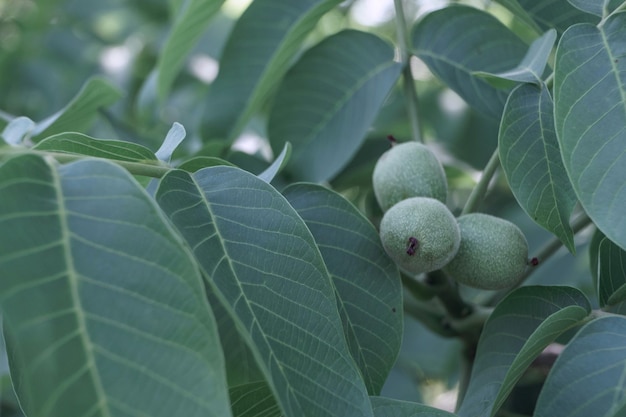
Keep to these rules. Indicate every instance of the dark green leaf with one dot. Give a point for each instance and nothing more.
(387, 407)
(557, 14)
(531, 160)
(199, 162)
(192, 17)
(590, 119)
(104, 309)
(608, 267)
(588, 377)
(278, 164)
(78, 114)
(532, 67)
(262, 263)
(328, 101)
(520, 327)
(79, 144)
(457, 41)
(254, 400)
(257, 55)
(367, 282)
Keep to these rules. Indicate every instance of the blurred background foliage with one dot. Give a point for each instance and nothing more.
(49, 48)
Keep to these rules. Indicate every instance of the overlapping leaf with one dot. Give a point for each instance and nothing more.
(608, 268)
(366, 280)
(557, 14)
(457, 41)
(531, 160)
(599, 8)
(255, 58)
(104, 309)
(263, 264)
(329, 100)
(388, 407)
(589, 377)
(79, 113)
(192, 17)
(590, 119)
(520, 327)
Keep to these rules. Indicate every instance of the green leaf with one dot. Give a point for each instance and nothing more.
(518, 11)
(530, 70)
(78, 114)
(262, 263)
(531, 160)
(590, 119)
(557, 14)
(191, 20)
(174, 137)
(388, 407)
(104, 309)
(608, 268)
(254, 399)
(17, 130)
(199, 162)
(367, 282)
(79, 144)
(520, 327)
(597, 7)
(457, 41)
(257, 55)
(329, 100)
(588, 378)
(278, 164)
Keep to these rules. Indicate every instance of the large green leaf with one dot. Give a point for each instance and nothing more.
(589, 377)
(590, 119)
(254, 399)
(520, 327)
(192, 17)
(367, 282)
(329, 100)
(608, 268)
(531, 160)
(557, 14)
(257, 55)
(80, 144)
(104, 308)
(457, 41)
(263, 264)
(79, 113)
(388, 407)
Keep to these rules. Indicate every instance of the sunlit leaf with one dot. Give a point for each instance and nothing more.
(328, 101)
(367, 282)
(103, 306)
(264, 266)
(257, 55)
(531, 160)
(590, 119)
(518, 330)
(588, 378)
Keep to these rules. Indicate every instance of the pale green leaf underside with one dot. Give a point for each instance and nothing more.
(590, 119)
(599, 8)
(608, 267)
(367, 282)
(17, 129)
(589, 377)
(531, 69)
(78, 114)
(262, 263)
(388, 407)
(520, 327)
(190, 22)
(104, 310)
(328, 101)
(456, 41)
(255, 58)
(80, 144)
(531, 161)
(279, 163)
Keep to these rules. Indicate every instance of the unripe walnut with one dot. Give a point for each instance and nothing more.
(493, 254)
(408, 170)
(420, 234)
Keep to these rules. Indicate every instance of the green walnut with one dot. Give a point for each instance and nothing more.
(493, 254)
(408, 170)
(420, 234)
